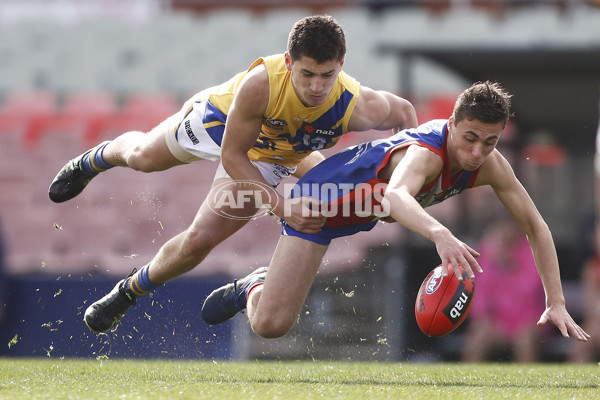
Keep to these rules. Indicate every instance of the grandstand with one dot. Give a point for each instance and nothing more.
(73, 73)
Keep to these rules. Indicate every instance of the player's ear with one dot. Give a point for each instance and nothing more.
(288, 61)
(342, 62)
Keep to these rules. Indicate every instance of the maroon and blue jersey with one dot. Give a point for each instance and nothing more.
(351, 191)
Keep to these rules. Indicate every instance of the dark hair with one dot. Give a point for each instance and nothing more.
(484, 101)
(319, 37)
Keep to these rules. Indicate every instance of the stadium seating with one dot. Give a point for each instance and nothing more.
(140, 112)
(67, 85)
(76, 116)
(17, 110)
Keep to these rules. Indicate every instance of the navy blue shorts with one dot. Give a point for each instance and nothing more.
(327, 234)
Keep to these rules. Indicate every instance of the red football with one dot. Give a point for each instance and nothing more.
(443, 302)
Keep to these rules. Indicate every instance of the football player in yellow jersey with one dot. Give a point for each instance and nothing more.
(264, 124)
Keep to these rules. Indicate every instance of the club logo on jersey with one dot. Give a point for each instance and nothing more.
(275, 123)
(241, 200)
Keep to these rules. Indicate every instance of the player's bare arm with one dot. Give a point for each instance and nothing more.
(415, 167)
(498, 173)
(243, 126)
(382, 111)
(241, 132)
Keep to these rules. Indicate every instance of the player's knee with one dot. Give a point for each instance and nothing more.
(138, 160)
(198, 243)
(270, 327)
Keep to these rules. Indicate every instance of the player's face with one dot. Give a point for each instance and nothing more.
(313, 81)
(470, 142)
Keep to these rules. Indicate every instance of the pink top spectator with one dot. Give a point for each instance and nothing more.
(509, 292)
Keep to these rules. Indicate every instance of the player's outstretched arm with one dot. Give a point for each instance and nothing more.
(417, 166)
(499, 174)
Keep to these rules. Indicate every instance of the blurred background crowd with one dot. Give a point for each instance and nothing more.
(73, 73)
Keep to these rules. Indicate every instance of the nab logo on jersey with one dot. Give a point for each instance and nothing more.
(313, 130)
(327, 132)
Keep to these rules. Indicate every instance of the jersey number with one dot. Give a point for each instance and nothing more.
(314, 143)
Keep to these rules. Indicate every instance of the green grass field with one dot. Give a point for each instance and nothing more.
(151, 379)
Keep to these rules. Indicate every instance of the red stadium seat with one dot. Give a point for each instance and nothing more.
(161, 104)
(140, 112)
(16, 113)
(438, 106)
(71, 120)
(90, 103)
(28, 103)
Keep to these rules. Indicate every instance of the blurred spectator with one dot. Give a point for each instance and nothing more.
(590, 285)
(590, 277)
(509, 298)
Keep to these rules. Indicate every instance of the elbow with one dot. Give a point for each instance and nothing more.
(537, 228)
(396, 200)
(387, 203)
(404, 115)
(228, 159)
(392, 195)
(409, 115)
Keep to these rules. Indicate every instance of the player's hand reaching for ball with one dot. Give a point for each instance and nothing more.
(559, 316)
(453, 251)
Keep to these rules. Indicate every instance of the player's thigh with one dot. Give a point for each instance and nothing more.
(232, 199)
(224, 211)
(291, 273)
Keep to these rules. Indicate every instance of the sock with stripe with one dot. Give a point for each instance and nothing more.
(252, 287)
(93, 163)
(139, 283)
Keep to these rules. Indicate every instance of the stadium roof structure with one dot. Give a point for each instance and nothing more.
(556, 87)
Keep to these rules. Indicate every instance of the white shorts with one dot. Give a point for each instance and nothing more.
(189, 141)
(273, 173)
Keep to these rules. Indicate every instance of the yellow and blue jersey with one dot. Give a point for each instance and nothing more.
(290, 130)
